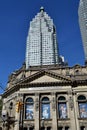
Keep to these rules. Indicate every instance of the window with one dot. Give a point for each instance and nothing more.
(66, 128)
(43, 128)
(62, 108)
(82, 128)
(82, 103)
(63, 128)
(30, 128)
(48, 128)
(11, 105)
(45, 108)
(29, 108)
(60, 128)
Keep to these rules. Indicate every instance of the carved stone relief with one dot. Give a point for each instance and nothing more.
(37, 104)
(54, 104)
(71, 104)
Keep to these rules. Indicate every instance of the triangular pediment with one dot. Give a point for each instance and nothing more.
(44, 76)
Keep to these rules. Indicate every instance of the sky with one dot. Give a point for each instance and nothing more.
(15, 16)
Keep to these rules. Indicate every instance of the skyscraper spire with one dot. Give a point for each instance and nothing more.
(42, 43)
(41, 8)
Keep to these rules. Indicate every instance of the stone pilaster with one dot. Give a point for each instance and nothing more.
(54, 114)
(72, 111)
(17, 117)
(18, 114)
(37, 122)
(75, 111)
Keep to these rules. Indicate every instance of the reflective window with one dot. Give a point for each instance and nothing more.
(45, 108)
(61, 98)
(62, 107)
(29, 108)
(81, 97)
(82, 103)
(83, 110)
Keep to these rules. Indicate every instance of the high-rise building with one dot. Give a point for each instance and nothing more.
(42, 43)
(82, 12)
(45, 97)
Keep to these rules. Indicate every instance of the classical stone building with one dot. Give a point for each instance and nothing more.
(45, 94)
(51, 98)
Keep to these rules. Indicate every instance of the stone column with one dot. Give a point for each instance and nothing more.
(17, 116)
(75, 111)
(21, 110)
(54, 114)
(36, 111)
(72, 112)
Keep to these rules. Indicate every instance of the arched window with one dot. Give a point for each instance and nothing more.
(63, 128)
(29, 108)
(45, 108)
(62, 108)
(82, 103)
(11, 105)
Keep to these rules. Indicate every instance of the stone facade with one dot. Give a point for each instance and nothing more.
(50, 98)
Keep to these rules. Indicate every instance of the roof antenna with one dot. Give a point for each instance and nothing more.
(41, 9)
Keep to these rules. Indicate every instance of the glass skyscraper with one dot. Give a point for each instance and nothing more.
(41, 47)
(82, 12)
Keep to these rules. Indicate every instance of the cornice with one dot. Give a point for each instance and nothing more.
(73, 83)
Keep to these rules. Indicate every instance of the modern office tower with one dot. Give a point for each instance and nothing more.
(82, 12)
(47, 97)
(42, 43)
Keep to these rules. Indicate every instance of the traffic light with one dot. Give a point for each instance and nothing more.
(19, 106)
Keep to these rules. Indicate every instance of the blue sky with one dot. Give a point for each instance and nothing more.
(15, 16)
